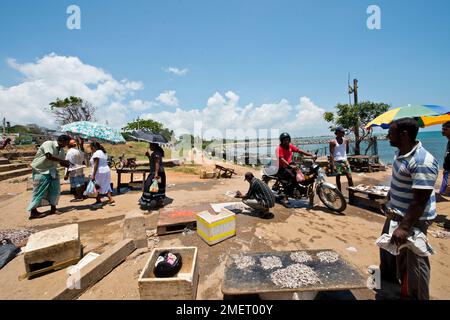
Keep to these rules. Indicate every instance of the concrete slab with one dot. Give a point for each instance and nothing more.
(52, 246)
(95, 271)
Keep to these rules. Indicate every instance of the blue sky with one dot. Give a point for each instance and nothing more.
(261, 51)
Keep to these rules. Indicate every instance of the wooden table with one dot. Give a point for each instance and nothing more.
(373, 199)
(227, 172)
(340, 275)
(359, 163)
(132, 172)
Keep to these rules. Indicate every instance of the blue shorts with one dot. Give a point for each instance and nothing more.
(444, 184)
(76, 182)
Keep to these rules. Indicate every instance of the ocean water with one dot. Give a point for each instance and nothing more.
(433, 141)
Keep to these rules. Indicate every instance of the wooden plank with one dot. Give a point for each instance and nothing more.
(56, 266)
(96, 270)
(340, 275)
(370, 203)
(355, 190)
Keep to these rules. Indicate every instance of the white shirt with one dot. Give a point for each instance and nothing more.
(102, 162)
(76, 157)
(340, 150)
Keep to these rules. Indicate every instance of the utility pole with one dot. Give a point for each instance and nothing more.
(354, 90)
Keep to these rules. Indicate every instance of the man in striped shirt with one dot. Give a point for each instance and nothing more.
(412, 203)
(259, 196)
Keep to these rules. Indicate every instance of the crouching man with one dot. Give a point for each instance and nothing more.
(259, 196)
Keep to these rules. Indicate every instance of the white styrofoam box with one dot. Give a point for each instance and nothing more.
(214, 228)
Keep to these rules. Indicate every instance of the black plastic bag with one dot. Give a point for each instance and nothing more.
(8, 251)
(165, 267)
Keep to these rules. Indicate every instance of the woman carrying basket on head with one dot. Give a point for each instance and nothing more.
(152, 197)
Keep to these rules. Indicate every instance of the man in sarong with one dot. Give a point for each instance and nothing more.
(46, 185)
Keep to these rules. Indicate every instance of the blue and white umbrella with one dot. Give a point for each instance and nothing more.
(94, 131)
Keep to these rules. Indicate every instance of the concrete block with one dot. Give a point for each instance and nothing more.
(134, 228)
(183, 286)
(52, 246)
(95, 271)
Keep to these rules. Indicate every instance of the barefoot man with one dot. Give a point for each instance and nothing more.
(46, 187)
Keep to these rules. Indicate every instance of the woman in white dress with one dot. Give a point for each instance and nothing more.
(101, 174)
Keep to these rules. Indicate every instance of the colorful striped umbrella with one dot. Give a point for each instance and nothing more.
(427, 115)
(94, 131)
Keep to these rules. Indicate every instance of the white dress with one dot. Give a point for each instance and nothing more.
(103, 176)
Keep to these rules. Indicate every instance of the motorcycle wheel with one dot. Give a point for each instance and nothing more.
(119, 165)
(332, 198)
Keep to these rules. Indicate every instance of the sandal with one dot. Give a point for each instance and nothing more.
(286, 204)
(97, 205)
(112, 203)
(36, 216)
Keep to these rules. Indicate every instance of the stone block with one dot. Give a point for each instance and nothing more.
(134, 228)
(52, 246)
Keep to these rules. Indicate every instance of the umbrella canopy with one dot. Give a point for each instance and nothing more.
(423, 113)
(94, 131)
(148, 136)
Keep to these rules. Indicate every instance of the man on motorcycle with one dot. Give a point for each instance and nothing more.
(287, 169)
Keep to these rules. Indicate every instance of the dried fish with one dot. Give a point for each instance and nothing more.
(328, 256)
(440, 234)
(17, 236)
(295, 276)
(243, 261)
(300, 257)
(272, 262)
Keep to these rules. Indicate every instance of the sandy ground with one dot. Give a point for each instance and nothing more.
(289, 229)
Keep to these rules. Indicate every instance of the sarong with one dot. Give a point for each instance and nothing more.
(46, 190)
(148, 196)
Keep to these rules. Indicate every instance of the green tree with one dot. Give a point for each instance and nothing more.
(72, 109)
(148, 124)
(355, 119)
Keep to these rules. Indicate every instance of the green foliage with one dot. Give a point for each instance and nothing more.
(28, 129)
(328, 116)
(153, 126)
(355, 118)
(72, 109)
(23, 140)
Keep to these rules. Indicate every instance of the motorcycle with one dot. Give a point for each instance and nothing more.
(111, 162)
(314, 183)
(125, 163)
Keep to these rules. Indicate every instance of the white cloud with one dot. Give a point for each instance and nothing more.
(54, 76)
(216, 100)
(168, 98)
(141, 105)
(176, 71)
(223, 112)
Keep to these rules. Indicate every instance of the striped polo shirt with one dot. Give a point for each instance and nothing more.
(417, 169)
